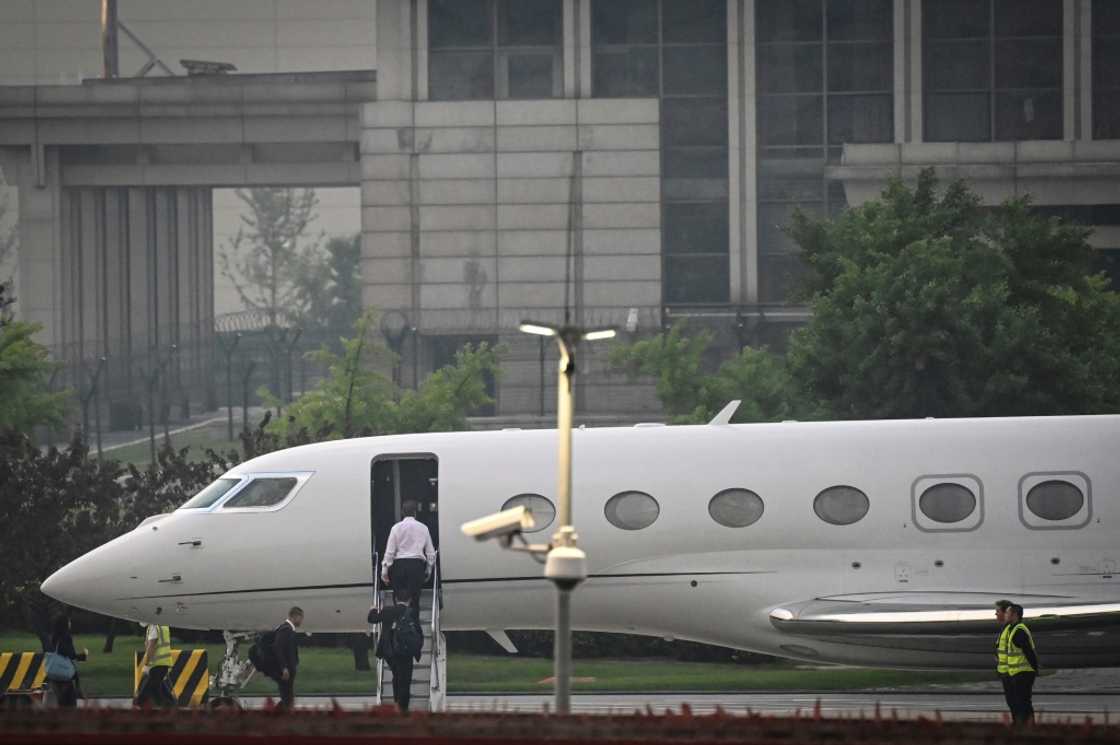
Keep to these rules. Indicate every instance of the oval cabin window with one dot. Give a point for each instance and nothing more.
(736, 508)
(543, 511)
(631, 510)
(947, 503)
(841, 505)
(1055, 500)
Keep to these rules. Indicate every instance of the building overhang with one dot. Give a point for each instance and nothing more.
(1052, 172)
(209, 130)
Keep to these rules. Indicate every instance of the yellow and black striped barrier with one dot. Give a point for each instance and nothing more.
(189, 676)
(22, 671)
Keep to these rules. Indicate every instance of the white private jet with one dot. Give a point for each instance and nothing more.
(881, 543)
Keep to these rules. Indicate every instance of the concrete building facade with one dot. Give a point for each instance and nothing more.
(635, 160)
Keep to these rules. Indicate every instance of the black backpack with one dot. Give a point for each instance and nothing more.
(261, 654)
(407, 638)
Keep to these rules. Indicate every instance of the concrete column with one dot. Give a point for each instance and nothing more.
(421, 54)
(395, 35)
(583, 49)
(1085, 69)
(40, 276)
(136, 271)
(901, 79)
(1070, 44)
(916, 87)
(742, 107)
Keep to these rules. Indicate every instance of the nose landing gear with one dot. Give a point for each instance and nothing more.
(236, 672)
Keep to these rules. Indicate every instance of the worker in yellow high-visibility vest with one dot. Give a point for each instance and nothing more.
(1002, 640)
(156, 664)
(1022, 666)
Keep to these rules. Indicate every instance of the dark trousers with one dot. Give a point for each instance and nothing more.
(1022, 688)
(402, 681)
(155, 687)
(66, 693)
(1005, 680)
(287, 690)
(408, 574)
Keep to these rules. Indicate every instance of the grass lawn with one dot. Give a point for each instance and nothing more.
(331, 670)
(211, 436)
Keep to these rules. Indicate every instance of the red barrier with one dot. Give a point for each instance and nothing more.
(385, 727)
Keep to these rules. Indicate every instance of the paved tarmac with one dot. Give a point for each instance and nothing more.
(908, 705)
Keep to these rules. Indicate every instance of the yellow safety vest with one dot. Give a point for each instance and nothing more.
(162, 657)
(1016, 660)
(1001, 649)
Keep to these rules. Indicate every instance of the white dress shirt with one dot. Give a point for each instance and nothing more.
(409, 539)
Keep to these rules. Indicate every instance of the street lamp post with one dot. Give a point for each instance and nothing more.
(566, 564)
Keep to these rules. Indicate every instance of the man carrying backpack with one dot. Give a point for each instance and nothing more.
(276, 654)
(402, 641)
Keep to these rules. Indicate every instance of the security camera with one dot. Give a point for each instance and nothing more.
(501, 525)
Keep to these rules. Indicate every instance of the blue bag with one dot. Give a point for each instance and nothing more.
(60, 668)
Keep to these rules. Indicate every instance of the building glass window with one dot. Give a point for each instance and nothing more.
(825, 78)
(486, 49)
(993, 70)
(1106, 70)
(676, 50)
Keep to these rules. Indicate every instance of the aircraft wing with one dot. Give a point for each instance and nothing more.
(937, 613)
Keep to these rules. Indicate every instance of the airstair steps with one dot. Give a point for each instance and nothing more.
(423, 688)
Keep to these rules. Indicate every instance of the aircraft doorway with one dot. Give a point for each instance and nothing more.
(395, 479)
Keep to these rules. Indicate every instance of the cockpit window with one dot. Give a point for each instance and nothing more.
(262, 492)
(211, 494)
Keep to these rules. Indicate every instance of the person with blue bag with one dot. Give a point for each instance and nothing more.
(62, 672)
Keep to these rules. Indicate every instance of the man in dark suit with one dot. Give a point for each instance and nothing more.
(401, 664)
(285, 648)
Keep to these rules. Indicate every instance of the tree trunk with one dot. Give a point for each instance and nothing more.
(359, 646)
(110, 637)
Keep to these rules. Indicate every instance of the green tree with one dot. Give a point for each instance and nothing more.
(357, 397)
(334, 292)
(9, 228)
(926, 304)
(25, 370)
(271, 259)
(55, 505)
(690, 395)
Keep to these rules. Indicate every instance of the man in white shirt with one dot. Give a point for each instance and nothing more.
(409, 555)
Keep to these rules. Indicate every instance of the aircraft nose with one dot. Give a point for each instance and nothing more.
(65, 585)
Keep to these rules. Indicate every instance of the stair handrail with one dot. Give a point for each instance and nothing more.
(436, 602)
(375, 628)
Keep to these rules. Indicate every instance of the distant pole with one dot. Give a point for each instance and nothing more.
(109, 49)
(227, 352)
(290, 347)
(541, 342)
(566, 564)
(97, 402)
(164, 407)
(246, 378)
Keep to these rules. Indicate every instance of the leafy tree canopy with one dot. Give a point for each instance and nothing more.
(25, 370)
(357, 397)
(690, 395)
(924, 303)
(273, 265)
